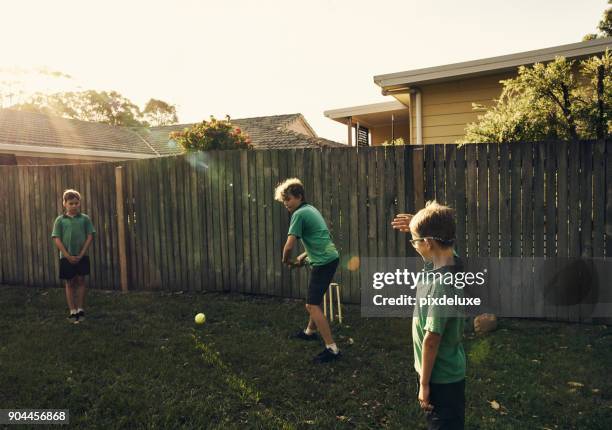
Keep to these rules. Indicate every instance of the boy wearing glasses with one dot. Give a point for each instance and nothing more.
(439, 357)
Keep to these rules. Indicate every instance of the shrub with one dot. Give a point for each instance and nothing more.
(213, 134)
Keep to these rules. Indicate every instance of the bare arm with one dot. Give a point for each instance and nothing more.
(431, 343)
(60, 246)
(86, 245)
(289, 245)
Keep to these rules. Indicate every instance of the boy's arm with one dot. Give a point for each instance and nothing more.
(62, 248)
(431, 343)
(289, 245)
(401, 222)
(86, 245)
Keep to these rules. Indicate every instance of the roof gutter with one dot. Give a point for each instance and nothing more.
(71, 151)
(491, 65)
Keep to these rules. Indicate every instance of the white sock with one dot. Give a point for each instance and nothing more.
(73, 311)
(80, 310)
(333, 347)
(308, 331)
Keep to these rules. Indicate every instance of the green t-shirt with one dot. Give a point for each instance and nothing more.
(73, 231)
(450, 363)
(308, 224)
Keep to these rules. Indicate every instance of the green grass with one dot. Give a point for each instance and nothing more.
(139, 361)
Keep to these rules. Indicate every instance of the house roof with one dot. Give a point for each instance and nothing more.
(34, 132)
(266, 132)
(42, 133)
(401, 80)
(371, 115)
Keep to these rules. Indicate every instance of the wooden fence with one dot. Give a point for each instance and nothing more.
(208, 221)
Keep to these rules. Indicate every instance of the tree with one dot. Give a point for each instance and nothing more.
(604, 27)
(213, 134)
(95, 106)
(559, 100)
(106, 107)
(158, 113)
(594, 111)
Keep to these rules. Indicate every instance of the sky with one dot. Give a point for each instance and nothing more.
(253, 58)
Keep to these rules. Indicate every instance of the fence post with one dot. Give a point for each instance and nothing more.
(121, 229)
(608, 187)
(417, 177)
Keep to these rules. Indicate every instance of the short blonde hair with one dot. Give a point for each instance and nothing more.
(71, 194)
(291, 186)
(437, 221)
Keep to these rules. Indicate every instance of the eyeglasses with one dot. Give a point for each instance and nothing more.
(419, 239)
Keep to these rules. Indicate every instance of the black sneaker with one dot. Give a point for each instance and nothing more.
(80, 316)
(303, 336)
(326, 356)
(73, 318)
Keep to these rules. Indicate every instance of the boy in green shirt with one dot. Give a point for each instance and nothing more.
(72, 234)
(439, 357)
(308, 225)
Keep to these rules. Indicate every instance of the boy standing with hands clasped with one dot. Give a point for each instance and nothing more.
(72, 234)
(437, 331)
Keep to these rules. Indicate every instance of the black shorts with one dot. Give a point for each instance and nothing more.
(448, 401)
(69, 270)
(320, 278)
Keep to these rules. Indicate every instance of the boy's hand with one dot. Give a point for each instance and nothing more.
(287, 262)
(295, 264)
(301, 260)
(72, 259)
(424, 398)
(401, 222)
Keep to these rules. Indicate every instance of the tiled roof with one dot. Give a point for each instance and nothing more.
(27, 128)
(266, 132)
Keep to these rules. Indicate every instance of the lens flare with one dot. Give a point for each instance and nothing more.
(353, 263)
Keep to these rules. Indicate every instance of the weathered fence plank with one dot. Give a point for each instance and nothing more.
(209, 221)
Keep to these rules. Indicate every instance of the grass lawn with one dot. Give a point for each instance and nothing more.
(139, 361)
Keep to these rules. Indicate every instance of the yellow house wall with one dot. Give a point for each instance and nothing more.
(378, 135)
(447, 106)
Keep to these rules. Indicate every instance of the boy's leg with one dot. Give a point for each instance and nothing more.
(80, 281)
(320, 278)
(448, 401)
(83, 270)
(70, 295)
(67, 275)
(320, 322)
(311, 324)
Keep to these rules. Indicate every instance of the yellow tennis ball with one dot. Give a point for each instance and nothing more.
(200, 318)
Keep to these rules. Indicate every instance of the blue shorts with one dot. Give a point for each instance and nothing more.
(69, 270)
(448, 401)
(320, 278)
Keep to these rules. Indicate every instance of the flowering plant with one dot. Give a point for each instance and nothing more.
(213, 134)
